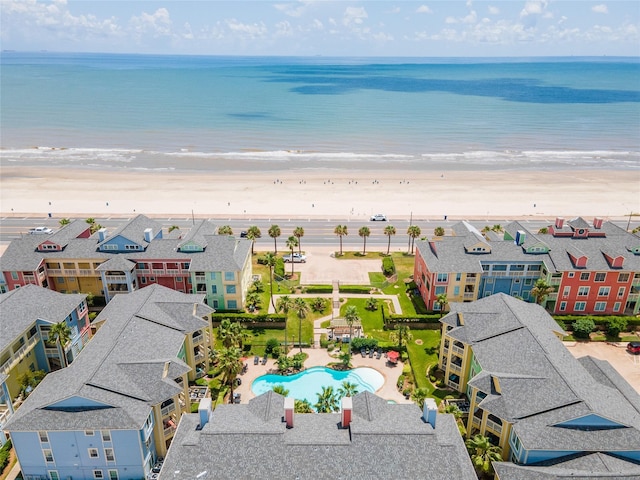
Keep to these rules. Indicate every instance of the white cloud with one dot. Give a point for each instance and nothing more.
(247, 30)
(423, 9)
(394, 10)
(533, 7)
(471, 18)
(382, 37)
(293, 9)
(494, 10)
(602, 8)
(354, 16)
(450, 20)
(284, 29)
(157, 23)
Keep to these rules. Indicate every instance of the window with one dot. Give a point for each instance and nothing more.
(566, 291)
(231, 289)
(600, 306)
(621, 292)
(44, 437)
(14, 275)
(88, 433)
(93, 453)
(584, 276)
(442, 277)
(528, 281)
(600, 276)
(106, 436)
(441, 290)
(152, 279)
(604, 291)
(143, 280)
(60, 279)
(178, 279)
(213, 275)
(232, 304)
(53, 475)
(216, 304)
(113, 474)
(456, 290)
(98, 474)
(214, 289)
(458, 277)
(616, 307)
(131, 247)
(48, 455)
(563, 306)
(572, 274)
(583, 291)
(83, 307)
(108, 454)
(623, 277)
(109, 247)
(141, 266)
(229, 276)
(580, 306)
(533, 268)
(185, 266)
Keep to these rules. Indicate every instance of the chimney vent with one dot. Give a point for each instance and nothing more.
(102, 234)
(520, 237)
(597, 223)
(195, 309)
(289, 405)
(148, 234)
(204, 410)
(429, 411)
(559, 222)
(347, 410)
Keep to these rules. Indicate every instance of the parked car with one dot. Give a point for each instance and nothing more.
(243, 234)
(295, 258)
(378, 217)
(40, 231)
(633, 347)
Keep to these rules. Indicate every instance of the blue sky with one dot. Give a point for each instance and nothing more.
(329, 28)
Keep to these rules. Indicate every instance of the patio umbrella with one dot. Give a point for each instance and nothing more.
(393, 356)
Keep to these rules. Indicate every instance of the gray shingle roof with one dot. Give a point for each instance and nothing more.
(122, 367)
(134, 230)
(252, 441)
(19, 309)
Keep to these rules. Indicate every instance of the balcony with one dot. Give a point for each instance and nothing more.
(173, 271)
(83, 272)
(470, 280)
(159, 271)
(555, 281)
(458, 351)
(197, 339)
(19, 354)
(476, 422)
(168, 410)
(201, 279)
(494, 427)
(198, 356)
(116, 278)
(633, 297)
(453, 368)
(453, 385)
(469, 296)
(552, 296)
(4, 414)
(54, 272)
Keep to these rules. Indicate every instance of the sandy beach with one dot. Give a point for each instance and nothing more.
(338, 193)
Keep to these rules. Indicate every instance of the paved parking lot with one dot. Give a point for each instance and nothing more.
(626, 364)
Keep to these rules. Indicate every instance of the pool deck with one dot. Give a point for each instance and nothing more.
(320, 357)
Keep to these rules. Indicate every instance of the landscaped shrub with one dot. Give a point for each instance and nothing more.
(272, 344)
(400, 382)
(319, 288)
(4, 455)
(601, 321)
(201, 382)
(278, 269)
(361, 342)
(319, 304)
(388, 267)
(354, 289)
(615, 326)
(324, 342)
(583, 327)
(248, 317)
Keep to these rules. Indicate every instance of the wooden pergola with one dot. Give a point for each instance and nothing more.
(339, 328)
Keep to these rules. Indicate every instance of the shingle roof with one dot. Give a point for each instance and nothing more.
(252, 441)
(122, 367)
(134, 230)
(19, 309)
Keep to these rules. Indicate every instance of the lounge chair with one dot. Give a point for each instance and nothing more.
(371, 354)
(379, 354)
(256, 360)
(264, 360)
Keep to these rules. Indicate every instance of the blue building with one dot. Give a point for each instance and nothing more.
(115, 409)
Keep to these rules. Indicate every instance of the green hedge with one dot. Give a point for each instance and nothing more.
(355, 289)
(248, 317)
(361, 342)
(4, 455)
(388, 267)
(319, 289)
(601, 321)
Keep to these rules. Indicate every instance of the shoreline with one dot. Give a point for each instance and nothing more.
(336, 192)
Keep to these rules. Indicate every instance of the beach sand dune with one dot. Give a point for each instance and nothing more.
(319, 193)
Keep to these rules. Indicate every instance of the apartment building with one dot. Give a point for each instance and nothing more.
(115, 409)
(593, 267)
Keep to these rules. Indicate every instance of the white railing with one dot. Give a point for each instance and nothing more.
(83, 272)
(455, 368)
(116, 278)
(199, 356)
(169, 431)
(469, 296)
(157, 270)
(470, 280)
(173, 271)
(54, 271)
(458, 350)
(19, 354)
(555, 281)
(476, 422)
(198, 338)
(4, 415)
(166, 411)
(453, 385)
(497, 428)
(201, 278)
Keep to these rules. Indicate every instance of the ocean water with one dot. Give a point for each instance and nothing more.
(204, 113)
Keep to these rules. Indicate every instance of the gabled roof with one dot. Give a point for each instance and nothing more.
(197, 234)
(67, 233)
(134, 229)
(130, 364)
(252, 441)
(20, 308)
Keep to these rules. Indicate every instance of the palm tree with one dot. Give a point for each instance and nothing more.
(64, 221)
(541, 289)
(401, 334)
(419, 395)
(274, 232)
(231, 334)
(253, 233)
(348, 389)
(389, 230)
(225, 230)
(302, 406)
(341, 231)
(364, 232)
(438, 232)
(302, 308)
(414, 232)
(327, 401)
(90, 220)
(270, 261)
(230, 364)
(285, 303)
(280, 390)
(60, 334)
(292, 242)
(371, 304)
(497, 228)
(351, 315)
(441, 300)
(253, 300)
(482, 453)
(298, 232)
(454, 410)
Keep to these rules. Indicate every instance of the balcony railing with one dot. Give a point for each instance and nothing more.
(470, 280)
(199, 356)
(157, 270)
(453, 368)
(495, 427)
(458, 350)
(54, 272)
(555, 281)
(453, 385)
(19, 354)
(633, 297)
(469, 295)
(116, 278)
(166, 411)
(198, 338)
(4, 414)
(476, 422)
(201, 278)
(83, 272)
(169, 431)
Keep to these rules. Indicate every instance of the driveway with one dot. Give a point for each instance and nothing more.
(626, 364)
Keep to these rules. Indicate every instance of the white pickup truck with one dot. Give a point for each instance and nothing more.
(40, 231)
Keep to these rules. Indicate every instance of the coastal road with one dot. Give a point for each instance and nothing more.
(317, 231)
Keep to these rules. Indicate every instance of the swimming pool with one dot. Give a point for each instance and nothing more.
(307, 384)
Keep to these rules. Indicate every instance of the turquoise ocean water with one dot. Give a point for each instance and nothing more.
(202, 113)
